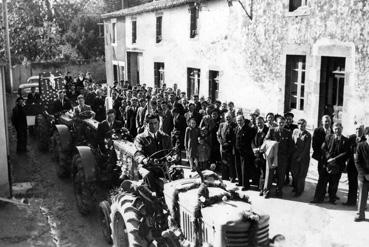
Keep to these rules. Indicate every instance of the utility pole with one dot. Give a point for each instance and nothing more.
(7, 43)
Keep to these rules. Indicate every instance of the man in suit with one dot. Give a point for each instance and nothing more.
(81, 108)
(291, 127)
(20, 123)
(319, 136)
(226, 139)
(107, 127)
(33, 97)
(98, 106)
(353, 141)
(140, 116)
(244, 155)
(258, 140)
(284, 138)
(334, 152)
(62, 103)
(362, 166)
(147, 143)
(166, 123)
(131, 113)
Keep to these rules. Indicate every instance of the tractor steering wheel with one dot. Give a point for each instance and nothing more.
(161, 154)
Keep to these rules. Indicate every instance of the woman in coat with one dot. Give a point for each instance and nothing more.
(301, 156)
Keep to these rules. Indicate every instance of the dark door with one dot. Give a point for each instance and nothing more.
(213, 84)
(133, 71)
(332, 81)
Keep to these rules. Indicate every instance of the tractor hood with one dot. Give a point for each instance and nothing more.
(218, 214)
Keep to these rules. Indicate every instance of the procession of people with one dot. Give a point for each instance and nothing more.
(252, 150)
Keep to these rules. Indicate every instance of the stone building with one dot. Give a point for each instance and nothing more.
(305, 56)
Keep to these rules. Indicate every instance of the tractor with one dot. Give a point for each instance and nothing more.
(38, 118)
(78, 155)
(135, 216)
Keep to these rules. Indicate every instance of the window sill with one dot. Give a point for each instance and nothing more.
(301, 11)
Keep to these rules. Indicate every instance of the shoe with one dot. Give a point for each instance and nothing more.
(349, 204)
(238, 184)
(359, 218)
(316, 201)
(332, 202)
(266, 195)
(279, 194)
(232, 180)
(245, 189)
(261, 193)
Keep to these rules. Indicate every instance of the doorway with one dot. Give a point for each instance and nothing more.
(214, 85)
(133, 69)
(193, 82)
(332, 82)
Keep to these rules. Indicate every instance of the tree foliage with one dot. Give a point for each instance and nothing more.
(53, 29)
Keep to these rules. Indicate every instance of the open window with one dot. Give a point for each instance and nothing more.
(295, 4)
(194, 16)
(193, 82)
(159, 22)
(159, 74)
(295, 82)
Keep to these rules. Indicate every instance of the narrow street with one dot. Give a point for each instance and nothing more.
(52, 209)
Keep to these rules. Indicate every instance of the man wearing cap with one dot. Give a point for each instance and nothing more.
(284, 139)
(20, 123)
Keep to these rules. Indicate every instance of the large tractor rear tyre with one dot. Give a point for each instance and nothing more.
(43, 133)
(126, 215)
(104, 217)
(83, 191)
(62, 169)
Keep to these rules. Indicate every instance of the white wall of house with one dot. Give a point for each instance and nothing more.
(215, 48)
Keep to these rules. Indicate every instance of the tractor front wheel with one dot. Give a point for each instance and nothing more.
(127, 212)
(83, 190)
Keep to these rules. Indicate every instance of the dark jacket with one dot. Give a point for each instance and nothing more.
(58, 106)
(131, 120)
(243, 140)
(18, 118)
(98, 107)
(33, 99)
(104, 130)
(318, 140)
(362, 159)
(146, 145)
(284, 138)
(334, 148)
(226, 136)
(167, 122)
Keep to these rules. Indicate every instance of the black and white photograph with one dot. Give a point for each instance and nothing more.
(184, 123)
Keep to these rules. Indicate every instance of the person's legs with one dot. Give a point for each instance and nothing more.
(244, 175)
(352, 184)
(333, 180)
(225, 166)
(321, 186)
(281, 172)
(238, 168)
(232, 167)
(269, 173)
(363, 197)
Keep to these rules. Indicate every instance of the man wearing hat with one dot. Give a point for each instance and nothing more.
(20, 123)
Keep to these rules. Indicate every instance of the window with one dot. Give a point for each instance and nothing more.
(159, 74)
(194, 16)
(295, 82)
(295, 4)
(114, 32)
(193, 82)
(159, 20)
(213, 84)
(134, 31)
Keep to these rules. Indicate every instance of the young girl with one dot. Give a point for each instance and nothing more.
(190, 143)
(204, 154)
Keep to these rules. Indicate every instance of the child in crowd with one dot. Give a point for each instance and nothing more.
(203, 153)
(191, 135)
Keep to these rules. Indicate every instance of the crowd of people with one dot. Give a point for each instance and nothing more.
(251, 150)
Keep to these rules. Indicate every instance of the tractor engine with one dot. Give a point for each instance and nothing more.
(221, 222)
